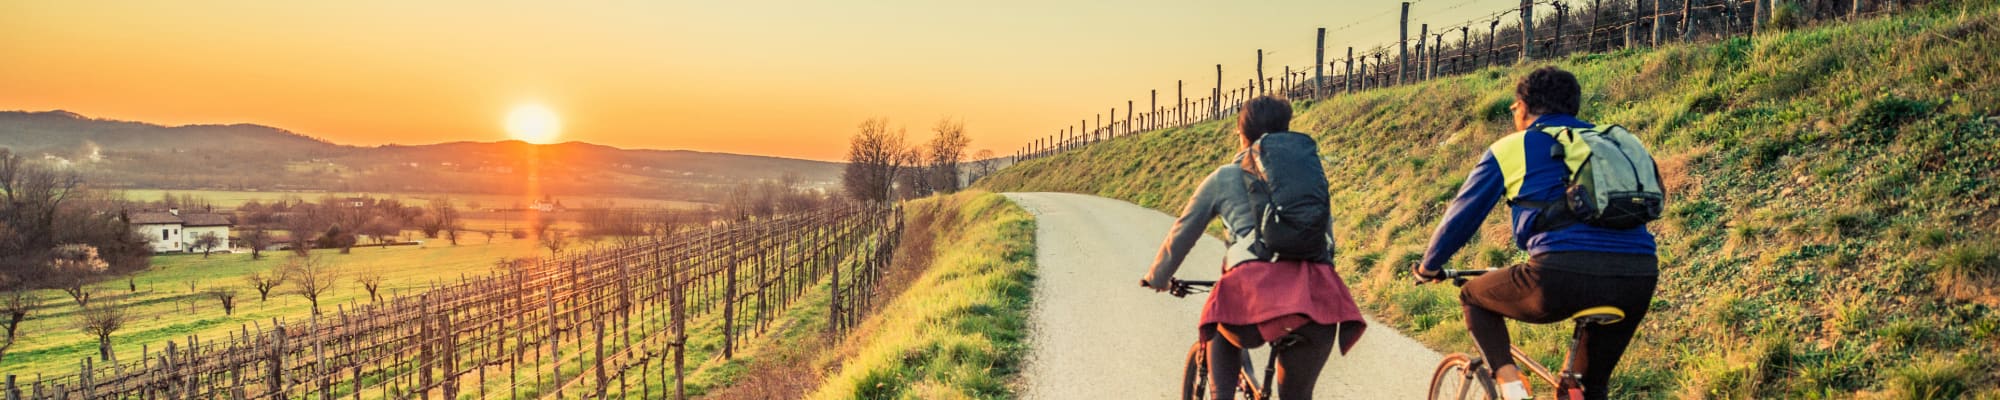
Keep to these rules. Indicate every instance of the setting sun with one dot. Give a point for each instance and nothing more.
(533, 123)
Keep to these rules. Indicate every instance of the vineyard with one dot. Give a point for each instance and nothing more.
(616, 322)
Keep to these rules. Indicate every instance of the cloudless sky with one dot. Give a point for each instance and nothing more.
(784, 78)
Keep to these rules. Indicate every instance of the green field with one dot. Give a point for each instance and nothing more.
(231, 199)
(50, 344)
(1832, 217)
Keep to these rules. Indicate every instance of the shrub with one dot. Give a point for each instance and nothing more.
(1787, 15)
(1887, 113)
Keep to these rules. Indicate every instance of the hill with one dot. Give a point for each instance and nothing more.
(1832, 220)
(126, 154)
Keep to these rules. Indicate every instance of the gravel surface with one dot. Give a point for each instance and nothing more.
(1098, 335)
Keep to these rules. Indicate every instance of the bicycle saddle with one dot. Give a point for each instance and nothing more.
(1600, 315)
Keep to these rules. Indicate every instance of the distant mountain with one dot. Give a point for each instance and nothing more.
(128, 154)
(48, 130)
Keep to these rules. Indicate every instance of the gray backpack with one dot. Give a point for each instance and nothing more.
(1612, 182)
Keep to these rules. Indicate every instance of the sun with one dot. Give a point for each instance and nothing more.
(533, 123)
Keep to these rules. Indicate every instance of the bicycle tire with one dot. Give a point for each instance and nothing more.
(1194, 379)
(1457, 378)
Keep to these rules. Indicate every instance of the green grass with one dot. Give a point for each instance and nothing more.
(50, 344)
(1832, 188)
(959, 331)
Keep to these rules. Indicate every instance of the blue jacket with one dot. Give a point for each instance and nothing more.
(1541, 179)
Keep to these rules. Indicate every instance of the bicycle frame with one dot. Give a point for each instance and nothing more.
(1250, 387)
(1567, 382)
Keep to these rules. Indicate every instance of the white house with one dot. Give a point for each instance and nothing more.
(174, 231)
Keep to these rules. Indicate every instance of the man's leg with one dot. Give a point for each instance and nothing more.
(1514, 292)
(1604, 345)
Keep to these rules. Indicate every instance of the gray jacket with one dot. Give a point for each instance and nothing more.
(1226, 194)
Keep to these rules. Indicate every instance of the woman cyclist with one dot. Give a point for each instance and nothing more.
(1259, 300)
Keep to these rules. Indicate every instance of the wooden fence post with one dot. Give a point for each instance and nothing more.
(1556, 46)
(1347, 80)
(1527, 30)
(1492, 43)
(1687, 20)
(275, 365)
(1423, 33)
(1590, 35)
(1403, 45)
(1217, 107)
(1319, 65)
(1180, 106)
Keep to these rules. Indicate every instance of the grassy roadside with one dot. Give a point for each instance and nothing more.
(959, 330)
(1832, 223)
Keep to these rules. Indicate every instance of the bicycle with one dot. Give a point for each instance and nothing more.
(1460, 374)
(1194, 382)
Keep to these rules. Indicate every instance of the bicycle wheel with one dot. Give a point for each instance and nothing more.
(1458, 377)
(1194, 382)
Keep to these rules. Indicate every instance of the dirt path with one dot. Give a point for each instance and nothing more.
(1098, 335)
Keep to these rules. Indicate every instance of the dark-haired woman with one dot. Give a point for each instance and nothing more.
(1259, 301)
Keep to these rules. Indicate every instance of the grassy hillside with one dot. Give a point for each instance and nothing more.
(959, 330)
(1832, 221)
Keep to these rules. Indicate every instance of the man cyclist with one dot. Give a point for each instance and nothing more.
(1571, 266)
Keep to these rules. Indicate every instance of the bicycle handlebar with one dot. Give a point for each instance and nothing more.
(1181, 288)
(1459, 276)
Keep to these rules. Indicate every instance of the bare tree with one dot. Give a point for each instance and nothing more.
(443, 218)
(228, 297)
(207, 242)
(371, 281)
(986, 165)
(101, 320)
(74, 267)
(873, 156)
(383, 230)
(945, 151)
(257, 238)
(264, 282)
(16, 304)
(311, 278)
(301, 226)
(555, 241)
(30, 198)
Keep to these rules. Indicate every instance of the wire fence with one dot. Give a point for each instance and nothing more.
(606, 323)
(1555, 29)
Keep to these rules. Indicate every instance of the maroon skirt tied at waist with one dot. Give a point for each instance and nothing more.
(1278, 297)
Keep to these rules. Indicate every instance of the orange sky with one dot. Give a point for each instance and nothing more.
(785, 78)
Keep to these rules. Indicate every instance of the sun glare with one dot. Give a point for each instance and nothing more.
(533, 123)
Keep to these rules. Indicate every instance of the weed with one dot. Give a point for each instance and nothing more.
(1934, 377)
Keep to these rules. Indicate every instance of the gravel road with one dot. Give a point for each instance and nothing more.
(1098, 335)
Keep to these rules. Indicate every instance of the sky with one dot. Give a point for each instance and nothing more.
(782, 78)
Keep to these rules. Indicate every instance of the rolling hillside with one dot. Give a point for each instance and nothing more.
(1834, 210)
(124, 154)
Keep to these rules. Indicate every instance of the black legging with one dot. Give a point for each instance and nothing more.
(1534, 293)
(1298, 365)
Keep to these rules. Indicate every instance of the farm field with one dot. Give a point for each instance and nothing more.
(159, 309)
(231, 199)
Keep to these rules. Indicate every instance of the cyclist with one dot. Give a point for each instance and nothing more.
(1571, 266)
(1262, 298)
